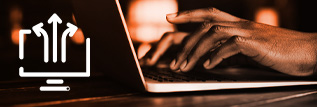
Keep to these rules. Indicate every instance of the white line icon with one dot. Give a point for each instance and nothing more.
(54, 19)
(62, 74)
(39, 31)
(71, 30)
(21, 41)
(55, 88)
(54, 81)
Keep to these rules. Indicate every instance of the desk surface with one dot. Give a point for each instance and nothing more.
(103, 92)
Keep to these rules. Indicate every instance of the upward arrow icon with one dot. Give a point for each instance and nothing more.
(38, 30)
(71, 31)
(54, 19)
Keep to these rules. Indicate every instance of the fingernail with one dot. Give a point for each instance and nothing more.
(183, 65)
(172, 65)
(206, 64)
(172, 15)
(177, 71)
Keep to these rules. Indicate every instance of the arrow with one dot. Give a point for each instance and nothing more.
(38, 30)
(54, 19)
(21, 41)
(71, 30)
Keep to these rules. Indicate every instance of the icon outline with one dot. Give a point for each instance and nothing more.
(39, 31)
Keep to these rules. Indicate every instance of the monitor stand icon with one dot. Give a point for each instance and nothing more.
(38, 31)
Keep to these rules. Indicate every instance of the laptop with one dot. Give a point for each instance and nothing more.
(113, 54)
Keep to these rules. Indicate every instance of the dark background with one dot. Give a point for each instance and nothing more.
(294, 14)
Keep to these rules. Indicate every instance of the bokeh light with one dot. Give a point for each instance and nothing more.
(267, 16)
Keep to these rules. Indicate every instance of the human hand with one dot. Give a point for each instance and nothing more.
(168, 40)
(225, 35)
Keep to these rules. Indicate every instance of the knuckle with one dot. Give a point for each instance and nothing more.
(249, 24)
(238, 39)
(212, 10)
(206, 25)
(216, 28)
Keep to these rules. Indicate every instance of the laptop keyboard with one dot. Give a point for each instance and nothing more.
(166, 75)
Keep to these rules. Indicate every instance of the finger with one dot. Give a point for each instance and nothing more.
(200, 15)
(189, 45)
(215, 36)
(202, 48)
(168, 39)
(237, 24)
(228, 49)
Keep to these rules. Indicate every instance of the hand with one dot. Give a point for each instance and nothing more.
(168, 40)
(225, 35)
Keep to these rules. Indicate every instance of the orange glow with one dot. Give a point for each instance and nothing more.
(16, 20)
(143, 49)
(78, 37)
(15, 15)
(74, 20)
(146, 19)
(267, 16)
(15, 36)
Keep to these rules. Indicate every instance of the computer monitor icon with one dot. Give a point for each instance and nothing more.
(71, 30)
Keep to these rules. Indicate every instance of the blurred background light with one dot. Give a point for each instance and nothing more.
(146, 20)
(78, 37)
(15, 17)
(267, 15)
